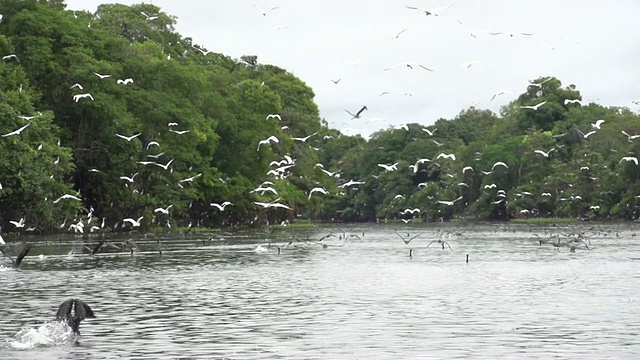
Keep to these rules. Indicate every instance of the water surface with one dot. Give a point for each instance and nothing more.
(365, 300)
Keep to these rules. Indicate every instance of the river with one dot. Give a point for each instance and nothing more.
(234, 297)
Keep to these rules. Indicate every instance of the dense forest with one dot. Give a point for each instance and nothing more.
(110, 115)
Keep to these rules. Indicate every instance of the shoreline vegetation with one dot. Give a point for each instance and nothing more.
(112, 121)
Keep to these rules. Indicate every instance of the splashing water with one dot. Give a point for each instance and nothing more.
(49, 334)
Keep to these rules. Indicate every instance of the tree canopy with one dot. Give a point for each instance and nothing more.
(127, 118)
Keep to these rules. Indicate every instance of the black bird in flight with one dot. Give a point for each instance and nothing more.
(73, 311)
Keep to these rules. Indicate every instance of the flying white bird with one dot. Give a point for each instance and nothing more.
(165, 166)
(449, 203)
(129, 179)
(66, 196)
(267, 141)
(222, 206)
(629, 158)
(274, 116)
(572, 101)
(408, 64)
(18, 224)
(77, 98)
(179, 132)
(499, 163)
(134, 223)
(272, 204)
(191, 178)
(429, 132)
(630, 137)
(586, 136)
(76, 85)
(128, 138)
(10, 56)
(464, 169)
(351, 183)
(318, 189)
(163, 210)
(265, 12)
(152, 143)
(391, 167)
(102, 76)
(533, 107)
(545, 154)
(490, 186)
(149, 18)
(446, 156)
(262, 190)
(125, 81)
(17, 132)
(303, 139)
(597, 124)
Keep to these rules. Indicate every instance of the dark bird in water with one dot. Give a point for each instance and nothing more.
(15, 263)
(72, 312)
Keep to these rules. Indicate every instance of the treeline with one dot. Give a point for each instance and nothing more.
(128, 116)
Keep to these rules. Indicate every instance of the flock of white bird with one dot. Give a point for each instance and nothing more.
(282, 168)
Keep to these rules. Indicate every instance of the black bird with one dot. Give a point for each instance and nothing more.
(357, 115)
(18, 260)
(73, 311)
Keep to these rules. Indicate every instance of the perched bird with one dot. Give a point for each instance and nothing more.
(72, 312)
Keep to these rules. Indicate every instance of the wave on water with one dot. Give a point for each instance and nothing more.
(49, 334)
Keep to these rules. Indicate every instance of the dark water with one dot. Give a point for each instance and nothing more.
(364, 300)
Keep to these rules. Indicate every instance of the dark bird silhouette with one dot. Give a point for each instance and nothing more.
(72, 312)
(408, 238)
(357, 115)
(15, 263)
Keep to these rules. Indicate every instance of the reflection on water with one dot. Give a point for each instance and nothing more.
(366, 300)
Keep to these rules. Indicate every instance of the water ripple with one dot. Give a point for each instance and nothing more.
(368, 299)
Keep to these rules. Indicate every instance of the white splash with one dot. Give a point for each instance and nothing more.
(51, 333)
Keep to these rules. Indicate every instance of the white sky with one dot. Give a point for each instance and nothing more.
(595, 46)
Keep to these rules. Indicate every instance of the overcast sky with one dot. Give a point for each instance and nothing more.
(593, 44)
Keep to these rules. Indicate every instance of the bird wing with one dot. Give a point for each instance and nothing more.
(64, 311)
